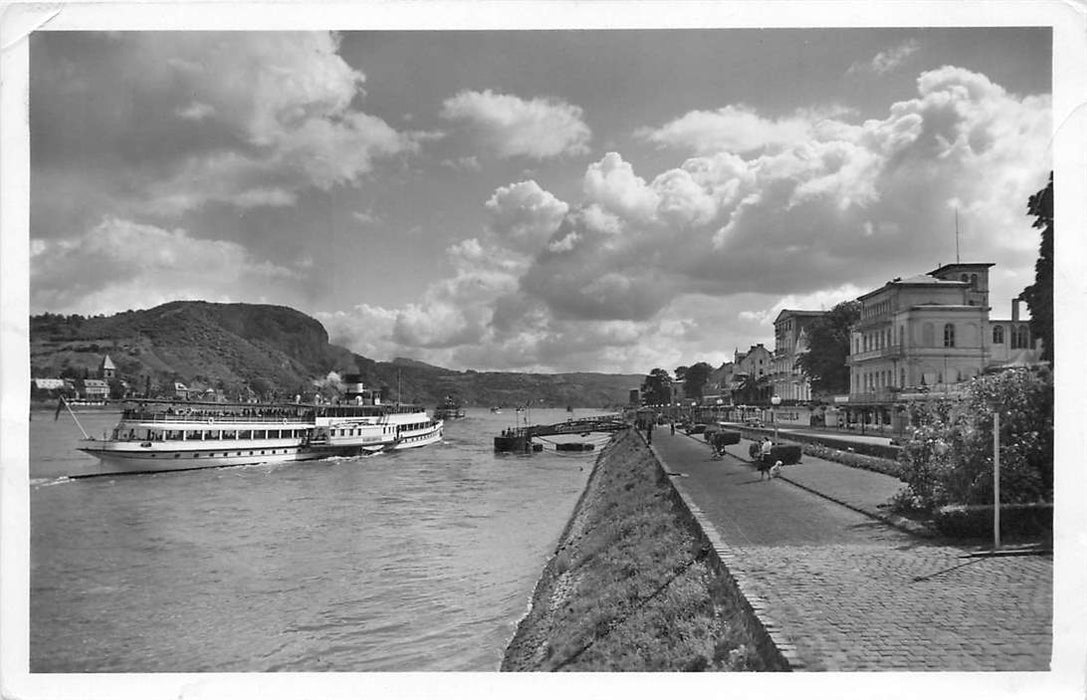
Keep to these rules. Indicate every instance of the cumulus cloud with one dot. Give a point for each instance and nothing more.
(177, 120)
(732, 128)
(524, 215)
(819, 300)
(851, 202)
(815, 214)
(119, 264)
(886, 61)
(511, 126)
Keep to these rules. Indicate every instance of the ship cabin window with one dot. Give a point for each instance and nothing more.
(245, 434)
(174, 434)
(194, 434)
(260, 434)
(230, 434)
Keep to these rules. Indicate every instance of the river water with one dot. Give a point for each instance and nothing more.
(421, 560)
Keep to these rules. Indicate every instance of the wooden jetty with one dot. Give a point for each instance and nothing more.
(520, 439)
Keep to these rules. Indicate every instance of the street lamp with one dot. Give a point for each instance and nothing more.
(775, 401)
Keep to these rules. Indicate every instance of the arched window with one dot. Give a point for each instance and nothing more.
(973, 281)
(998, 335)
(949, 335)
(965, 277)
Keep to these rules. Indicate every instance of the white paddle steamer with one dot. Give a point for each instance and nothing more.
(155, 436)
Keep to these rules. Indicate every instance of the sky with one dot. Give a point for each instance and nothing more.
(552, 201)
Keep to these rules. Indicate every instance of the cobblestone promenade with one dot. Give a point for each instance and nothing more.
(850, 593)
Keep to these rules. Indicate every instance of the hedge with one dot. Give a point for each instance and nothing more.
(1017, 519)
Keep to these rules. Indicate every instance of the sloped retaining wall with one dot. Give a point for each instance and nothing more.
(530, 647)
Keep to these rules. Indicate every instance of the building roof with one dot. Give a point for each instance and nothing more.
(786, 313)
(107, 363)
(914, 280)
(960, 266)
(95, 382)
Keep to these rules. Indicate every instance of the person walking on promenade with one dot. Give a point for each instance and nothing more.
(765, 449)
(673, 427)
(649, 433)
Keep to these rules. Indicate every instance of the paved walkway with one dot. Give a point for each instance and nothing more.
(850, 593)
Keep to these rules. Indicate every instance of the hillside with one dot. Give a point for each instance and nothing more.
(276, 351)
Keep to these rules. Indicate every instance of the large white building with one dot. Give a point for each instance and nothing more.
(928, 333)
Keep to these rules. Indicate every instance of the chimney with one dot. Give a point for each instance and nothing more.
(1015, 308)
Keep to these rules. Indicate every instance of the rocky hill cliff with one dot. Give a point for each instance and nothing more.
(274, 351)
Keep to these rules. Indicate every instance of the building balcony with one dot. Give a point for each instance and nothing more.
(882, 395)
(890, 352)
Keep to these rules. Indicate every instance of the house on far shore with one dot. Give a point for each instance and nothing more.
(49, 387)
(95, 389)
(180, 391)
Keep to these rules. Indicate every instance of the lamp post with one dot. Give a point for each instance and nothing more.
(996, 479)
(775, 401)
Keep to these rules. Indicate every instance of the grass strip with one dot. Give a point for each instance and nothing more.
(629, 588)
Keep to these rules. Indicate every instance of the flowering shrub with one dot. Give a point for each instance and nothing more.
(949, 456)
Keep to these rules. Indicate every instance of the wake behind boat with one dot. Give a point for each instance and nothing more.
(169, 435)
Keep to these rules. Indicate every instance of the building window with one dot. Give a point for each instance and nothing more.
(998, 335)
(1020, 337)
(949, 335)
(928, 335)
(973, 281)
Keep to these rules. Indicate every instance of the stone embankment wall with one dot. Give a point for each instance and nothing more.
(636, 584)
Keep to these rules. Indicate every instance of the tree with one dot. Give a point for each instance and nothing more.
(681, 373)
(655, 388)
(828, 346)
(117, 388)
(261, 387)
(1039, 296)
(752, 390)
(694, 379)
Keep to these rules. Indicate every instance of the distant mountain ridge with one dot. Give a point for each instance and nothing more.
(265, 350)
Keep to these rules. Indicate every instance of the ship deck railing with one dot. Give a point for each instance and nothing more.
(206, 417)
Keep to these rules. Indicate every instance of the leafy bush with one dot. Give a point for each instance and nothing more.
(949, 457)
